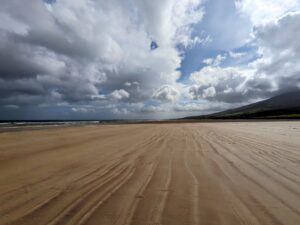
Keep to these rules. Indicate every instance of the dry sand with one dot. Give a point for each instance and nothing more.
(170, 174)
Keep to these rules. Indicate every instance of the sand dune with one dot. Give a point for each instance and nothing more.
(170, 174)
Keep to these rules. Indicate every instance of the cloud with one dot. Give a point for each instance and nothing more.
(89, 52)
(119, 94)
(208, 61)
(215, 61)
(277, 70)
(166, 93)
(87, 57)
(200, 107)
(226, 27)
(280, 52)
(209, 92)
(152, 109)
(220, 84)
(11, 106)
(169, 20)
(263, 12)
(85, 109)
(236, 55)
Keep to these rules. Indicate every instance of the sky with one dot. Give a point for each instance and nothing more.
(142, 59)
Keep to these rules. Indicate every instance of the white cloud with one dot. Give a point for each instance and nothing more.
(280, 50)
(266, 11)
(127, 84)
(120, 94)
(215, 61)
(208, 61)
(82, 49)
(236, 55)
(277, 70)
(221, 84)
(209, 92)
(212, 76)
(166, 93)
(169, 21)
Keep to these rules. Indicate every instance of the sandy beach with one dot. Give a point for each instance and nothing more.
(152, 174)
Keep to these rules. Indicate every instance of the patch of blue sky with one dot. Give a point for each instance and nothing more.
(250, 54)
(193, 60)
(227, 29)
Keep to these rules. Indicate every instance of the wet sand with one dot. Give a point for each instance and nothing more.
(152, 174)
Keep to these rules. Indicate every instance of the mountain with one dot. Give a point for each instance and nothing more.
(286, 105)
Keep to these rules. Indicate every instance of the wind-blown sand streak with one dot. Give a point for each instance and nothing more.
(152, 174)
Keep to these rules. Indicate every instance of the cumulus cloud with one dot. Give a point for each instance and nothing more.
(89, 52)
(119, 94)
(276, 70)
(219, 84)
(97, 56)
(280, 52)
(166, 93)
